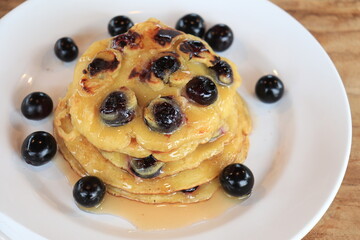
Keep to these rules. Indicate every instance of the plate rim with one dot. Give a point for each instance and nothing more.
(335, 190)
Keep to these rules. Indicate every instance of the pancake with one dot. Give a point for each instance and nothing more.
(203, 192)
(131, 75)
(92, 161)
(86, 94)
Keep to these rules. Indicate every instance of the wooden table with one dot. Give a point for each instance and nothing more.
(336, 25)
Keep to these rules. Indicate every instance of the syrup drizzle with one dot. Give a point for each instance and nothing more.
(158, 216)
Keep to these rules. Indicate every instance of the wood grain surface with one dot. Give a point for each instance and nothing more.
(336, 25)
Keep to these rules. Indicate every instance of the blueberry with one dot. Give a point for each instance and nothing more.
(201, 90)
(219, 37)
(223, 73)
(104, 61)
(131, 39)
(147, 167)
(89, 191)
(36, 106)
(237, 180)
(118, 108)
(119, 25)
(66, 49)
(163, 115)
(269, 89)
(165, 36)
(164, 66)
(192, 24)
(38, 148)
(190, 190)
(193, 48)
(167, 116)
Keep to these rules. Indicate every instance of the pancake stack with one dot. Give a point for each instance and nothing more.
(154, 113)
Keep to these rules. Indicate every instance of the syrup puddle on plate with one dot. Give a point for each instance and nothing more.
(158, 216)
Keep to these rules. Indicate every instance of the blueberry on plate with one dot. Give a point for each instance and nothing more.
(237, 180)
(89, 191)
(201, 90)
(219, 37)
(38, 148)
(66, 49)
(191, 24)
(269, 89)
(119, 24)
(36, 106)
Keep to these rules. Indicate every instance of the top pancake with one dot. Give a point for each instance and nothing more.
(129, 57)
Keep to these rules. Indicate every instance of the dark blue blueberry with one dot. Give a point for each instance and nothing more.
(66, 49)
(89, 191)
(201, 90)
(36, 106)
(147, 167)
(119, 25)
(269, 89)
(219, 37)
(38, 148)
(192, 24)
(237, 180)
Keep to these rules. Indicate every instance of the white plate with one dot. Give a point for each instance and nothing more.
(299, 147)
